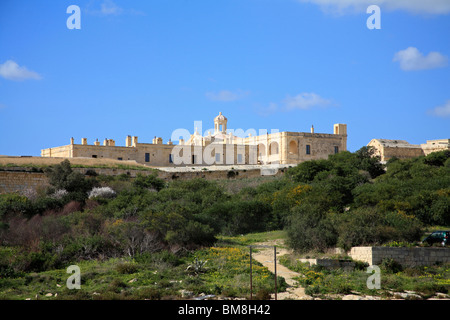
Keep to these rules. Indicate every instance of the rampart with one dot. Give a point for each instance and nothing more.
(19, 179)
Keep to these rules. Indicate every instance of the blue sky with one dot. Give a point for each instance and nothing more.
(146, 68)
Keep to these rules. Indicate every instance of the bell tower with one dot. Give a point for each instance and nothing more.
(220, 124)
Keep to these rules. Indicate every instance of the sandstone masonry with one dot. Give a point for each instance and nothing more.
(416, 256)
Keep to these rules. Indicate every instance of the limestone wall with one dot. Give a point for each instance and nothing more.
(402, 153)
(17, 179)
(405, 256)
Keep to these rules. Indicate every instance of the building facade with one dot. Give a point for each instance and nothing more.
(221, 147)
(387, 149)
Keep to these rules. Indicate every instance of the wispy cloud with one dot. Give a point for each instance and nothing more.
(302, 101)
(12, 71)
(441, 111)
(305, 101)
(110, 8)
(434, 7)
(412, 59)
(226, 95)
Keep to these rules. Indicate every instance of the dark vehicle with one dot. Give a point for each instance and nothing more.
(441, 237)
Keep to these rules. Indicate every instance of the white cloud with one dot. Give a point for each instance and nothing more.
(12, 71)
(305, 101)
(110, 8)
(441, 111)
(412, 59)
(226, 95)
(412, 6)
(302, 101)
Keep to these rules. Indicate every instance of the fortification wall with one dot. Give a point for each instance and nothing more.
(16, 181)
(402, 153)
(19, 179)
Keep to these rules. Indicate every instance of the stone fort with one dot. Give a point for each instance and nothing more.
(387, 149)
(221, 147)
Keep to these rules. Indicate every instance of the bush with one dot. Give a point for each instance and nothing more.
(13, 203)
(102, 192)
(390, 265)
(127, 268)
(149, 182)
(371, 226)
(262, 294)
(192, 233)
(309, 229)
(116, 286)
(62, 177)
(59, 194)
(147, 293)
(238, 217)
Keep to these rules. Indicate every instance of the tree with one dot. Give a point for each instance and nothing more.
(149, 182)
(61, 176)
(437, 158)
(310, 229)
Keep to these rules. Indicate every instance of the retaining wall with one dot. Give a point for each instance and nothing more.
(416, 256)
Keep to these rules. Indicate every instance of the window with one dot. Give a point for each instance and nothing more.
(336, 149)
(170, 158)
(217, 157)
(308, 149)
(94, 156)
(194, 158)
(239, 158)
(119, 159)
(147, 157)
(293, 147)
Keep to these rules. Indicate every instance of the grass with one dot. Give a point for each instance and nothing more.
(222, 270)
(152, 276)
(42, 162)
(251, 238)
(320, 282)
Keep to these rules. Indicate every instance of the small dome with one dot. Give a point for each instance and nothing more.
(220, 117)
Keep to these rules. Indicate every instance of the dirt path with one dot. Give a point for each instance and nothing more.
(266, 255)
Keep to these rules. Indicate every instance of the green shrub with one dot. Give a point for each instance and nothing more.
(263, 294)
(116, 286)
(127, 268)
(149, 182)
(309, 229)
(390, 265)
(147, 293)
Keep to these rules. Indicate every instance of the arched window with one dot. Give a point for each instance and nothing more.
(293, 148)
(273, 148)
(261, 150)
